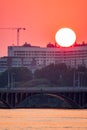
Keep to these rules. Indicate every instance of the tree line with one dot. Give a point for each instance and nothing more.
(53, 74)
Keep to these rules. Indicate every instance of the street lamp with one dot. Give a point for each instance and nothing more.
(12, 80)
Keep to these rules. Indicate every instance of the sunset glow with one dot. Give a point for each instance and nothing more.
(42, 19)
(65, 37)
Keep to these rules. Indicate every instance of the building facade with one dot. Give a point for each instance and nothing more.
(34, 57)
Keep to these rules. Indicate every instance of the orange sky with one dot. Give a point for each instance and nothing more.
(41, 18)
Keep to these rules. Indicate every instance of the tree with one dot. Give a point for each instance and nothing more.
(52, 73)
(20, 74)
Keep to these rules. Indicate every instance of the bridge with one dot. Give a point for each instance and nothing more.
(48, 97)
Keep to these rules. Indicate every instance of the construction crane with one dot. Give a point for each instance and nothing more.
(18, 31)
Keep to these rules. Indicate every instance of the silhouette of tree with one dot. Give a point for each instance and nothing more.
(20, 74)
(62, 75)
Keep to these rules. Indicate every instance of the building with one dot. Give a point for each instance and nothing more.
(34, 57)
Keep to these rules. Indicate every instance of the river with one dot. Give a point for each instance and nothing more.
(43, 119)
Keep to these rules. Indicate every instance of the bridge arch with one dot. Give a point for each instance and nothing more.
(47, 100)
(70, 101)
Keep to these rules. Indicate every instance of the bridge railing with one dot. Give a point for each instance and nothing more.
(46, 89)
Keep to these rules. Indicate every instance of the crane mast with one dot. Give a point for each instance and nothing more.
(18, 32)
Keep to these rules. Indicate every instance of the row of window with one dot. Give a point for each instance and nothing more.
(53, 55)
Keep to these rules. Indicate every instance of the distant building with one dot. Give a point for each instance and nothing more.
(34, 57)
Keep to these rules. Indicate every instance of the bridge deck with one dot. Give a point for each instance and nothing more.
(45, 89)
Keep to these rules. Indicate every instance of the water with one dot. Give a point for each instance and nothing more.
(43, 119)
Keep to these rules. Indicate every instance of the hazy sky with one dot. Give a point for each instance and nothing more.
(41, 18)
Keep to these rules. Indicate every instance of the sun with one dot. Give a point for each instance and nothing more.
(65, 37)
